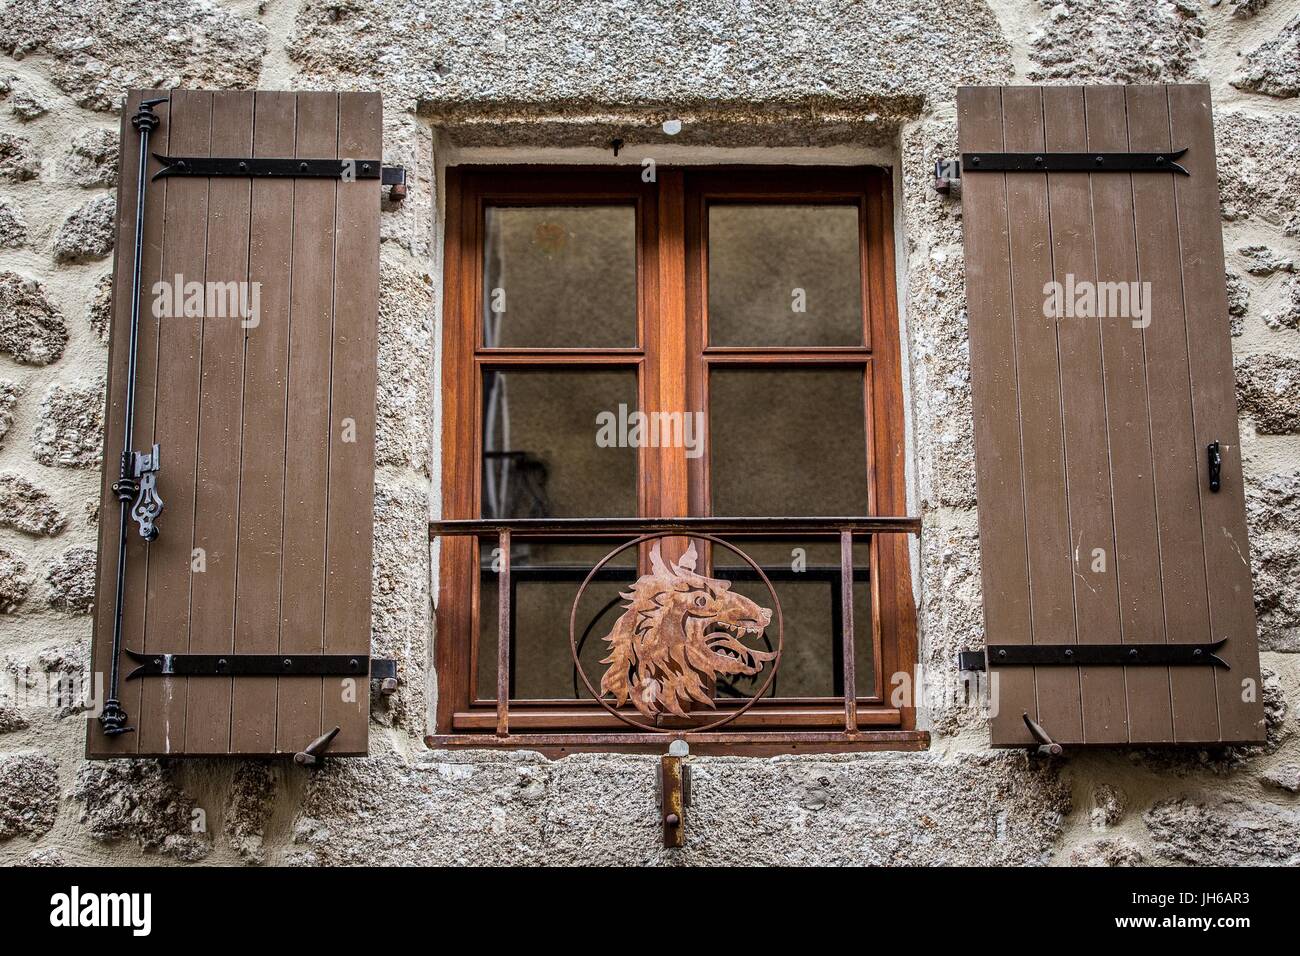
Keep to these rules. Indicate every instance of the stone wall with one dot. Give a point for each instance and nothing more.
(546, 75)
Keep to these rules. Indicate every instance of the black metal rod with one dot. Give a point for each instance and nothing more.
(113, 718)
(592, 527)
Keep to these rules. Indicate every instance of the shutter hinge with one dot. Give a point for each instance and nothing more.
(1045, 162)
(970, 661)
(347, 169)
(1106, 655)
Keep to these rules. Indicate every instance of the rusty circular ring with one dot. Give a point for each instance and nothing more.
(679, 731)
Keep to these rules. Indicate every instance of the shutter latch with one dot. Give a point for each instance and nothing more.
(140, 481)
(1215, 457)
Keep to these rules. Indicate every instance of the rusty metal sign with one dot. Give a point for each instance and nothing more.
(679, 632)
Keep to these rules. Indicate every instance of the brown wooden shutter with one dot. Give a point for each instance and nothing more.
(1092, 433)
(266, 431)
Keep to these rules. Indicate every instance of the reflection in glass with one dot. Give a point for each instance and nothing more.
(787, 441)
(559, 277)
(784, 276)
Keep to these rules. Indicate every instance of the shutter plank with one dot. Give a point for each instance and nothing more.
(261, 499)
(1214, 406)
(167, 626)
(1003, 560)
(133, 615)
(220, 429)
(308, 424)
(1087, 451)
(1147, 709)
(346, 701)
(1051, 586)
(1182, 553)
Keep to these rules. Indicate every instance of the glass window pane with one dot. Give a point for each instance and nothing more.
(546, 576)
(540, 455)
(541, 459)
(784, 275)
(559, 277)
(787, 442)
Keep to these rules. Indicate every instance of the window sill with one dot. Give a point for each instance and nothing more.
(723, 743)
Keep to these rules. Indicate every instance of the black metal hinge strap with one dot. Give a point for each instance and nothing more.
(260, 166)
(248, 665)
(1045, 162)
(1159, 655)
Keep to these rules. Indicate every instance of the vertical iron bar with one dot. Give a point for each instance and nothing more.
(113, 718)
(849, 650)
(503, 636)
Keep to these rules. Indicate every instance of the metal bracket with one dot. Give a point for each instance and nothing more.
(947, 176)
(247, 665)
(1047, 747)
(673, 793)
(1046, 162)
(1102, 655)
(1215, 456)
(394, 177)
(383, 672)
(970, 661)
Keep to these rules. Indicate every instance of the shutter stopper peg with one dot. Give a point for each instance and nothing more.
(314, 753)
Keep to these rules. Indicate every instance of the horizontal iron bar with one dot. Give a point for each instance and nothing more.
(548, 573)
(247, 665)
(259, 166)
(884, 739)
(637, 526)
(1045, 162)
(1159, 655)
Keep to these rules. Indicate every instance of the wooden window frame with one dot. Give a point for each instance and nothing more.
(671, 325)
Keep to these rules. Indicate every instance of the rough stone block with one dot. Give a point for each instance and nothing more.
(28, 508)
(32, 329)
(70, 428)
(87, 233)
(29, 794)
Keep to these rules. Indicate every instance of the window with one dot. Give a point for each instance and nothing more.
(754, 309)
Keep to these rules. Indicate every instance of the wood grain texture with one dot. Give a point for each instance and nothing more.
(1146, 710)
(220, 432)
(176, 413)
(1173, 438)
(266, 365)
(307, 429)
(1085, 421)
(350, 529)
(1214, 409)
(995, 392)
